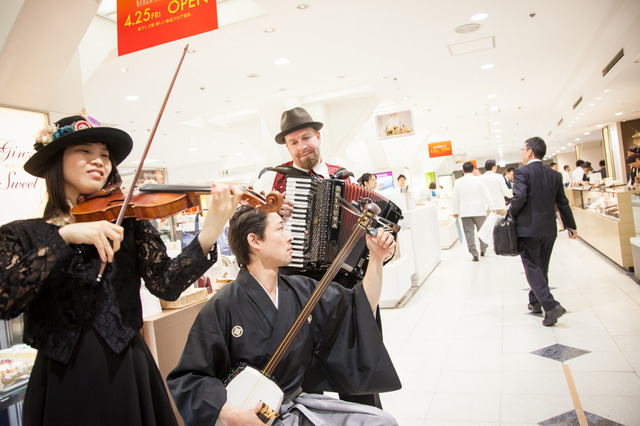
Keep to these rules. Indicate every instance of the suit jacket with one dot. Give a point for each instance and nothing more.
(470, 196)
(537, 190)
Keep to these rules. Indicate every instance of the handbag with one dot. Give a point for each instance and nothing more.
(187, 237)
(505, 237)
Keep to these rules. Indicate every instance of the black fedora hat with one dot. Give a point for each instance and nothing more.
(295, 119)
(74, 130)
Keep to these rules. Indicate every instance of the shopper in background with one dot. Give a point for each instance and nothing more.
(93, 366)
(508, 180)
(498, 190)
(586, 168)
(633, 162)
(249, 317)
(603, 169)
(537, 191)
(578, 173)
(566, 176)
(554, 166)
(368, 180)
(301, 135)
(402, 183)
(469, 201)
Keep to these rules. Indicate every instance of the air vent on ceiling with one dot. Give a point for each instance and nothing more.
(575, 105)
(560, 122)
(612, 63)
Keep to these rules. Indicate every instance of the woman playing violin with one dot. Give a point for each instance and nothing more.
(93, 367)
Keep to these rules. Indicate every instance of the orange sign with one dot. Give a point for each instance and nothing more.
(440, 149)
(147, 23)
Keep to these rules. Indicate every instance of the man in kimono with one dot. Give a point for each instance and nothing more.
(249, 317)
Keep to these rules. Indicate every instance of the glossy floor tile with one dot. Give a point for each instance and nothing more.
(469, 352)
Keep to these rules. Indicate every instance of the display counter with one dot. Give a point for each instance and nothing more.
(422, 222)
(166, 334)
(604, 217)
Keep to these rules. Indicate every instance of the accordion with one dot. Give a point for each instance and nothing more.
(320, 226)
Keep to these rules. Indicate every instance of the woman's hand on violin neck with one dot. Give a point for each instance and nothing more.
(101, 234)
(224, 201)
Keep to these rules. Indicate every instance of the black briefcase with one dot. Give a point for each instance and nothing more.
(505, 237)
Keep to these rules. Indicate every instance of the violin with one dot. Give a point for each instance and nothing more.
(157, 201)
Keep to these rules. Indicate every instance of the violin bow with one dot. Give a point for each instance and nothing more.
(127, 199)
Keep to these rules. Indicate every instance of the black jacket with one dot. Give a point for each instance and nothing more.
(537, 190)
(55, 284)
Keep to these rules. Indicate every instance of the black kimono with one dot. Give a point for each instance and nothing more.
(241, 324)
(93, 366)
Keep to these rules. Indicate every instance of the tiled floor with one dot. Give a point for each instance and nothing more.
(465, 344)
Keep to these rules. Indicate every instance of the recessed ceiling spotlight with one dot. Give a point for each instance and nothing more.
(193, 149)
(591, 105)
(467, 28)
(576, 139)
(563, 147)
(569, 144)
(479, 16)
(495, 123)
(606, 90)
(281, 61)
(123, 69)
(492, 96)
(618, 113)
(599, 125)
(598, 98)
(269, 30)
(253, 75)
(191, 51)
(341, 76)
(302, 6)
(227, 101)
(131, 98)
(486, 66)
(587, 133)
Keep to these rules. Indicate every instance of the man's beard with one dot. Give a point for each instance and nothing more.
(310, 161)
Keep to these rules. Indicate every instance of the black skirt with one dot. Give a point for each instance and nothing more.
(98, 387)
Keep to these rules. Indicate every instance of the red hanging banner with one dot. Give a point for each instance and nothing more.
(440, 149)
(147, 23)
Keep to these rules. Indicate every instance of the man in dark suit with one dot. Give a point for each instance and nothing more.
(537, 190)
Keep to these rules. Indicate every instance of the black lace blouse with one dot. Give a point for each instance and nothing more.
(54, 284)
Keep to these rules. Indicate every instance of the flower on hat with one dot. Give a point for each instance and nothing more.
(45, 136)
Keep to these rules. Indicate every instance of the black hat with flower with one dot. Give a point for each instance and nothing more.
(72, 131)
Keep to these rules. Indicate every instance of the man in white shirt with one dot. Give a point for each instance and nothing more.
(578, 173)
(566, 176)
(470, 200)
(496, 186)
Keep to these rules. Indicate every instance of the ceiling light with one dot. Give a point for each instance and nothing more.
(281, 61)
(486, 66)
(495, 123)
(563, 147)
(131, 98)
(598, 98)
(492, 96)
(123, 69)
(269, 30)
(253, 75)
(618, 113)
(479, 16)
(191, 51)
(606, 90)
(193, 149)
(599, 125)
(569, 144)
(592, 105)
(467, 28)
(587, 133)
(576, 139)
(302, 6)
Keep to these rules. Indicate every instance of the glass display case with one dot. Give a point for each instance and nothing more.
(604, 202)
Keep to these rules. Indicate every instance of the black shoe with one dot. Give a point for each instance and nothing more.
(475, 258)
(535, 308)
(482, 253)
(552, 315)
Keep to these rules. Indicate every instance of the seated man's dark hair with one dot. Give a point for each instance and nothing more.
(246, 220)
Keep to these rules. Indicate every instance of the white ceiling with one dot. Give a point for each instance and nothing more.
(351, 59)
